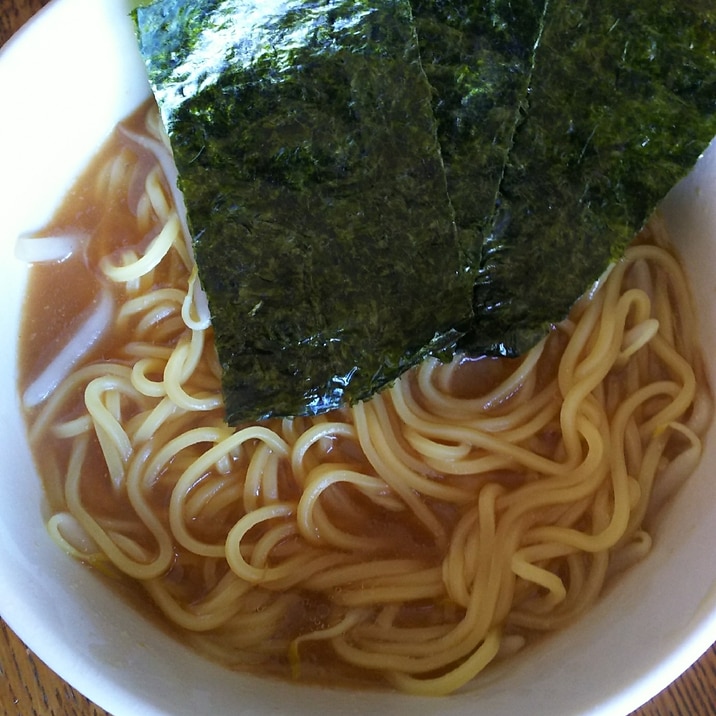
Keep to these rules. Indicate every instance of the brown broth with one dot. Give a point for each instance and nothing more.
(58, 294)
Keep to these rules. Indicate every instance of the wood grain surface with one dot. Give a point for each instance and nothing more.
(29, 688)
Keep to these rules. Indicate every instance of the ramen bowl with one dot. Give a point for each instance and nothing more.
(67, 78)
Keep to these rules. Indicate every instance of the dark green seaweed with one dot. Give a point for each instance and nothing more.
(325, 239)
(369, 183)
(621, 103)
(478, 57)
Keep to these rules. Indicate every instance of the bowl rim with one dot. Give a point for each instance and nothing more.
(94, 666)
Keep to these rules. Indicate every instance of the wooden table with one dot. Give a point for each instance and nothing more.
(27, 686)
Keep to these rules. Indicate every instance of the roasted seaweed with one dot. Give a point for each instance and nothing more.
(325, 238)
(622, 101)
(372, 182)
(478, 57)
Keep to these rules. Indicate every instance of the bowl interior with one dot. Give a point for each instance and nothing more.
(67, 78)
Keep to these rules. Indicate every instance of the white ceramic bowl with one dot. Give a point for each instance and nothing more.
(65, 80)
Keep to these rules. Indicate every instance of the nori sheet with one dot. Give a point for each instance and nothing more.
(478, 57)
(622, 102)
(325, 240)
(353, 170)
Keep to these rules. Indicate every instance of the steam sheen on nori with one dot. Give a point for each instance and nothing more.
(372, 182)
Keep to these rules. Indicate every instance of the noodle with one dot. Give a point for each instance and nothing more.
(413, 538)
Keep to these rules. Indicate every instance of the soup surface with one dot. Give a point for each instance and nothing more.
(408, 540)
